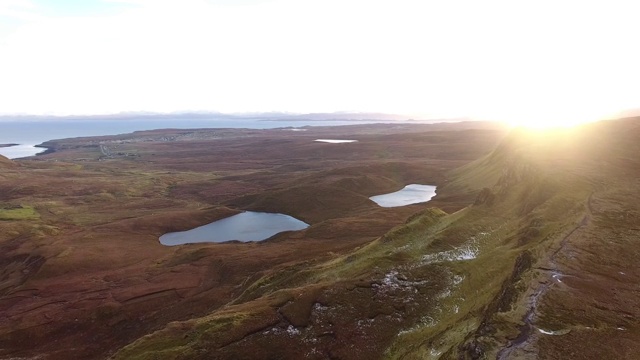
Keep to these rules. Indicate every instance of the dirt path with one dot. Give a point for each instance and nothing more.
(528, 328)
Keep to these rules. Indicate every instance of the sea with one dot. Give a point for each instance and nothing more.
(27, 134)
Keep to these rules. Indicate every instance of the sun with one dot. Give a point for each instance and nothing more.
(541, 107)
(554, 118)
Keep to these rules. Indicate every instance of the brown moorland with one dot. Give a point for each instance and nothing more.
(83, 273)
(528, 251)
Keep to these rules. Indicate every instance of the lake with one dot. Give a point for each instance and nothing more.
(332, 141)
(410, 194)
(18, 151)
(246, 226)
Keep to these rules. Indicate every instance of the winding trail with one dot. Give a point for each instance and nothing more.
(528, 328)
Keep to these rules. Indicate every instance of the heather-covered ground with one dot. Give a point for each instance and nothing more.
(528, 251)
(84, 274)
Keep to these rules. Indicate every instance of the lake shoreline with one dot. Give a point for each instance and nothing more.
(409, 195)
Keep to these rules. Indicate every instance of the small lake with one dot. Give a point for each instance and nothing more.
(411, 194)
(246, 226)
(335, 141)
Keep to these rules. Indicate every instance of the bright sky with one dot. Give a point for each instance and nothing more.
(546, 60)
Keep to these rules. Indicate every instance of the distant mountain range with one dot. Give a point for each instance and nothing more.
(280, 116)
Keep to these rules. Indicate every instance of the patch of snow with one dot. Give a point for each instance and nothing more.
(365, 323)
(466, 252)
(428, 321)
(457, 280)
(402, 248)
(313, 352)
(556, 333)
(391, 279)
(445, 294)
(319, 307)
(425, 322)
(435, 353)
(273, 330)
(409, 299)
(311, 341)
(292, 331)
(392, 282)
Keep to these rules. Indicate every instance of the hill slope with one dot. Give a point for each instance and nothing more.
(541, 265)
(6, 163)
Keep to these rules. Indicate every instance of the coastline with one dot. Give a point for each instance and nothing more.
(18, 151)
(47, 150)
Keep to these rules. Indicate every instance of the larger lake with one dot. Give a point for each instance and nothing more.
(411, 194)
(246, 226)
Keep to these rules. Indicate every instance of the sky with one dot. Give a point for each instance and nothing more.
(560, 60)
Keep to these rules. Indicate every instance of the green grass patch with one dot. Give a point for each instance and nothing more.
(185, 340)
(19, 213)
